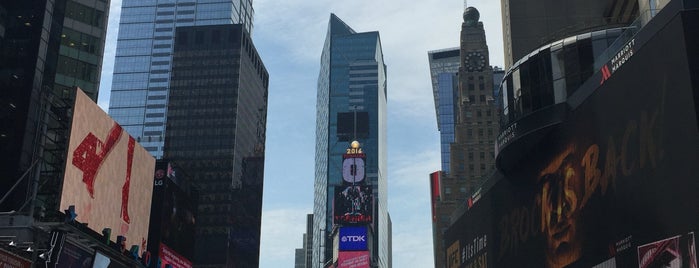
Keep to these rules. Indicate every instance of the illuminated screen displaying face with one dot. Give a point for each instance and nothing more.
(560, 184)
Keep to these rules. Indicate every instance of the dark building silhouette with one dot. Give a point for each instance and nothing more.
(46, 49)
(216, 121)
(530, 24)
(597, 172)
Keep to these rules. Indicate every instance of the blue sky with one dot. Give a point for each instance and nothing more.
(289, 36)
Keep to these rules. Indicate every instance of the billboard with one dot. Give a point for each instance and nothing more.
(353, 204)
(615, 185)
(108, 176)
(169, 257)
(353, 238)
(173, 212)
(353, 259)
(72, 256)
(9, 260)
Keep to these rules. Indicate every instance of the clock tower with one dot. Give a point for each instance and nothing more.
(476, 122)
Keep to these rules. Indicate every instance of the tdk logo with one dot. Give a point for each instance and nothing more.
(353, 238)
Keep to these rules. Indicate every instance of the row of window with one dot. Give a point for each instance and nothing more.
(85, 14)
(552, 73)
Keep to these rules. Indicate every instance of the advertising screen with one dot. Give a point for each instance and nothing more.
(108, 176)
(170, 257)
(353, 204)
(173, 212)
(72, 256)
(9, 260)
(353, 259)
(353, 238)
(615, 185)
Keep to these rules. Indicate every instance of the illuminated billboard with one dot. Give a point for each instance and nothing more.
(169, 257)
(353, 238)
(614, 185)
(108, 176)
(353, 259)
(353, 205)
(173, 212)
(10, 260)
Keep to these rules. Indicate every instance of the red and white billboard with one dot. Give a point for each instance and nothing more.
(9, 260)
(353, 259)
(169, 256)
(108, 176)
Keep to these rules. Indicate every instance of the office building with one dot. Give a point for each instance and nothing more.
(304, 254)
(351, 131)
(468, 127)
(141, 81)
(527, 25)
(48, 47)
(444, 69)
(594, 178)
(216, 121)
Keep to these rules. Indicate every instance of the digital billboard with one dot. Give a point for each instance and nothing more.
(353, 259)
(9, 260)
(108, 176)
(170, 257)
(173, 212)
(72, 256)
(614, 185)
(353, 238)
(353, 204)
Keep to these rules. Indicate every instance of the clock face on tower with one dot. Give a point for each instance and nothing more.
(474, 61)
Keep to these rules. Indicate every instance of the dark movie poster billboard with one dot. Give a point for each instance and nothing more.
(353, 204)
(173, 216)
(72, 256)
(615, 185)
(469, 247)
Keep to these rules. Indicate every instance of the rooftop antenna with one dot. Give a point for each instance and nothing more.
(465, 4)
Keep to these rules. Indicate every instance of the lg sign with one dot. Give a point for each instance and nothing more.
(353, 238)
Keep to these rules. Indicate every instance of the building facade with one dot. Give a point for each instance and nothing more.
(141, 81)
(468, 127)
(304, 255)
(47, 48)
(351, 106)
(594, 179)
(216, 120)
(528, 25)
(444, 69)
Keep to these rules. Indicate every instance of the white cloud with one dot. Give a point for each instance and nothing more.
(282, 232)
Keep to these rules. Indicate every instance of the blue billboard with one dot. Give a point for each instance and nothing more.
(353, 238)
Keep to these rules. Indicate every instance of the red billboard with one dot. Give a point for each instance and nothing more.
(170, 257)
(9, 260)
(353, 259)
(108, 176)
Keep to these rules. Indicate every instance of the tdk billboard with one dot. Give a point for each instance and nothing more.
(353, 238)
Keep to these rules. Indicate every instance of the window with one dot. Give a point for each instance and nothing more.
(482, 98)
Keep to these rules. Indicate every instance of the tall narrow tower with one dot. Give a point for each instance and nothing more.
(350, 176)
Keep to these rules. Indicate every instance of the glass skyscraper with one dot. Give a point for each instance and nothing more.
(140, 85)
(217, 118)
(351, 105)
(444, 65)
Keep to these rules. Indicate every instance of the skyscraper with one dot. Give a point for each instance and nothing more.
(444, 67)
(46, 47)
(351, 106)
(468, 123)
(216, 120)
(141, 81)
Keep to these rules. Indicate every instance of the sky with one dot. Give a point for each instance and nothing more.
(289, 36)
